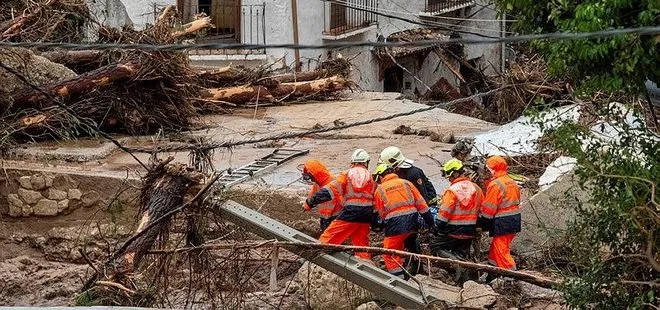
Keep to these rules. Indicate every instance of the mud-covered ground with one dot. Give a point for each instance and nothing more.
(41, 263)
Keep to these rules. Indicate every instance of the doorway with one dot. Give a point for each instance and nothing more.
(393, 79)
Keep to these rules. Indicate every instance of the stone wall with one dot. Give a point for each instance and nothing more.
(45, 194)
(25, 193)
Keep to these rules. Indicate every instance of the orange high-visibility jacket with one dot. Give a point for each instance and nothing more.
(398, 203)
(358, 199)
(500, 213)
(322, 177)
(459, 211)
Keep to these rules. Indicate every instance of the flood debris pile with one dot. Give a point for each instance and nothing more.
(72, 93)
(525, 83)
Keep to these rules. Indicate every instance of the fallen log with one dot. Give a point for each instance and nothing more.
(299, 76)
(164, 189)
(83, 83)
(238, 94)
(72, 58)
(327, 85)
(225, 77)
(249, 93)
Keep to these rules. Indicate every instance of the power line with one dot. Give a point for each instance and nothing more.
(337, 45)
(290, 135)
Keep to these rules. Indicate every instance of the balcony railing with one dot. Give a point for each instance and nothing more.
(234, 24)
(346, 16)
(445, 6)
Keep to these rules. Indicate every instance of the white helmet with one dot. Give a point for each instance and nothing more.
(360, 156)
(392, 157)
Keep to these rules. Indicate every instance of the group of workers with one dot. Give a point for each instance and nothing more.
(400, 201)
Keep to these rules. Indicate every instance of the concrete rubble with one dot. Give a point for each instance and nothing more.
(475, 295)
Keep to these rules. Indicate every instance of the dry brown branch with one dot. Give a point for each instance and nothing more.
(116, 285)
(536, 280)
(452, 68)
(194, 26)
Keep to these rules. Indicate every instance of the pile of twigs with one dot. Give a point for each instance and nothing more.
(52, 20)
(527, 84)
(134, 92)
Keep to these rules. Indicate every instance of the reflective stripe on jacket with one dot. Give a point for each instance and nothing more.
(460, 209)
(327, 209)
(398, 203)
(500, 212)
(322, 177)
(357, 202)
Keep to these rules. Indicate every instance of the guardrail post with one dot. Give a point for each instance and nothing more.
(274, 261)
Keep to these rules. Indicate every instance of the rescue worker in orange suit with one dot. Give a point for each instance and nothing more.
(405, 169)
(399, 205)
(456, 222)
(500, 213)
(357, 188)
(315, 172)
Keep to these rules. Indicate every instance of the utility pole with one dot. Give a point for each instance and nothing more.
(296, 38)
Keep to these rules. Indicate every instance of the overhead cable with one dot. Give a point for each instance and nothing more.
(337, 45)
(289, 135)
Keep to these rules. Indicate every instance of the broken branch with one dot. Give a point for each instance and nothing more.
(525, 277)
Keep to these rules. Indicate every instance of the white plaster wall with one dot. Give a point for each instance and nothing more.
(491, 54)
(430, 71)
(311, 23)
(142, 11)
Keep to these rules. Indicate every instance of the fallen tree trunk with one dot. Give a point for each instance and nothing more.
(164, 189)
(299, 76)
(72, 58)
(249, 93)
(238, 94)
(83, 83)
(446, 262)
(327, 85)
(225, 77)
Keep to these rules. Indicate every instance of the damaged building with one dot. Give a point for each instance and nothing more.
(411, 71)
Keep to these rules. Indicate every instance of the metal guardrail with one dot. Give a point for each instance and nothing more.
(372, 278)
(446, 6)
(341, 18)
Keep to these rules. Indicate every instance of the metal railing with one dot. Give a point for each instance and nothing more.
(341, 18)
(235, 23)
(445, 6)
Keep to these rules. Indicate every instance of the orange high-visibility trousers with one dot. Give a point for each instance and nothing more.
(500, 252)
(339, 231)
(393, 263)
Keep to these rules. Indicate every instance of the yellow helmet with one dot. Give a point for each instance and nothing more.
(380, 168)
(451, 166)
